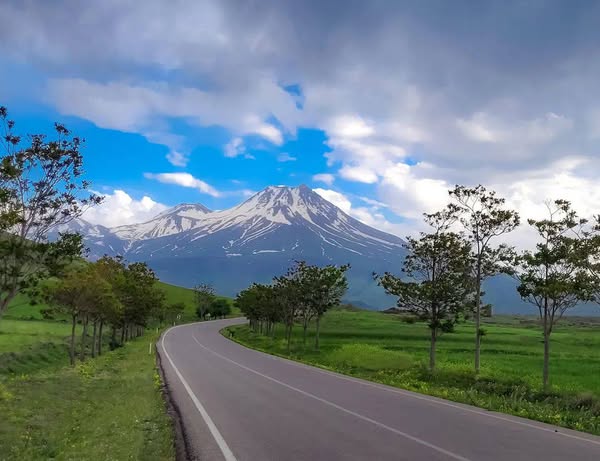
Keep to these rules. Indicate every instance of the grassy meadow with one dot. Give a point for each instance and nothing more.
(387, 349)
(109, 407)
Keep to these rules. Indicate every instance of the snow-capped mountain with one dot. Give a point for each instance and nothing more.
(252, 242)
(277, 220)
(172, 221)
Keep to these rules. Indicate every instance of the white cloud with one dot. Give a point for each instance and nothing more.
(359, 174)
(119, 208)
(147, 108)
(337, 198)
(184, 180)
(326, 178)
(177, 158)
(410, 193)
(267, 131)
(482, 108)
(350, 126)
(285, 157)
(369, 216)
(234, 147)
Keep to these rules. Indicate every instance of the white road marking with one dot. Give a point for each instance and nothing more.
(338, 407)
(227, 454)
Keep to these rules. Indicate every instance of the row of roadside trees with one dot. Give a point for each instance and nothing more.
(444, 271)
(110, 293)
(301, 295)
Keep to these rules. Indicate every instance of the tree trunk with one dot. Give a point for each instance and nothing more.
(478, 318)
(432, 349)
(100, 338)
(122, 334)
(72, 346)
(94, 338)
(304, 328)
(83, 335)
(546, 371)
(6, 301)
(317, 332)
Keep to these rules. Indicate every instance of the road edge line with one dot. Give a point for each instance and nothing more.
(225, 450)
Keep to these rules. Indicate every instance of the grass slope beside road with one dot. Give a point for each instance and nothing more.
(110, 407)
(385, 349)
(106, 408)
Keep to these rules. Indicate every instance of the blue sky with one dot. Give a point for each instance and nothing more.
(380, 106)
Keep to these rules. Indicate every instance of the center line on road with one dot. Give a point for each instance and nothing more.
(338, 407)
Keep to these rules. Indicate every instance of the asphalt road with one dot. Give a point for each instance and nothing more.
(236, 403)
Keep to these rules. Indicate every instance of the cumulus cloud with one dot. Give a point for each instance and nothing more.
(326, 178)
(234, 147)
(370, 216)
(120, 208)
(184, 180)
(496, 101)
(177, 158)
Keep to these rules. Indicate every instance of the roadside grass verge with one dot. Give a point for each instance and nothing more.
(386, 349)
(110, 407)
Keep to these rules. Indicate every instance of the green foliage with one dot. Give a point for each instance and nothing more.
(436, 285)
(219, 308)
(556, 277)
(40, 188)
(304, 292)
(484, 217)
(204, 296)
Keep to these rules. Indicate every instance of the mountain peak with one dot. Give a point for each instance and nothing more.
(189, 210)
(177, 219)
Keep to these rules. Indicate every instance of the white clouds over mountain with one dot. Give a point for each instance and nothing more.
(120, 208)
(411, 98)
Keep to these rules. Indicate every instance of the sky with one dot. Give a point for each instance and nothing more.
(379, 106)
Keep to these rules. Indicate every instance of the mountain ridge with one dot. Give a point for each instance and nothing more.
(253, 241)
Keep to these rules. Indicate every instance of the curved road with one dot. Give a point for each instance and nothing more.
(236, 403)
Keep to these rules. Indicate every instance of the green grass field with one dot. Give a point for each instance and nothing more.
(177, 294)
(107, 408)
(385, 349)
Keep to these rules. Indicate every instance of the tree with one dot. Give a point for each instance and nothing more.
(140, 297)
(435, 285)
(287, 290)
(81, 294)
(219, 307)
(322, 288)
(173, 312)
(40, 189)
(260, 305)
(484, 217)
(555, 277)
(204, 295)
